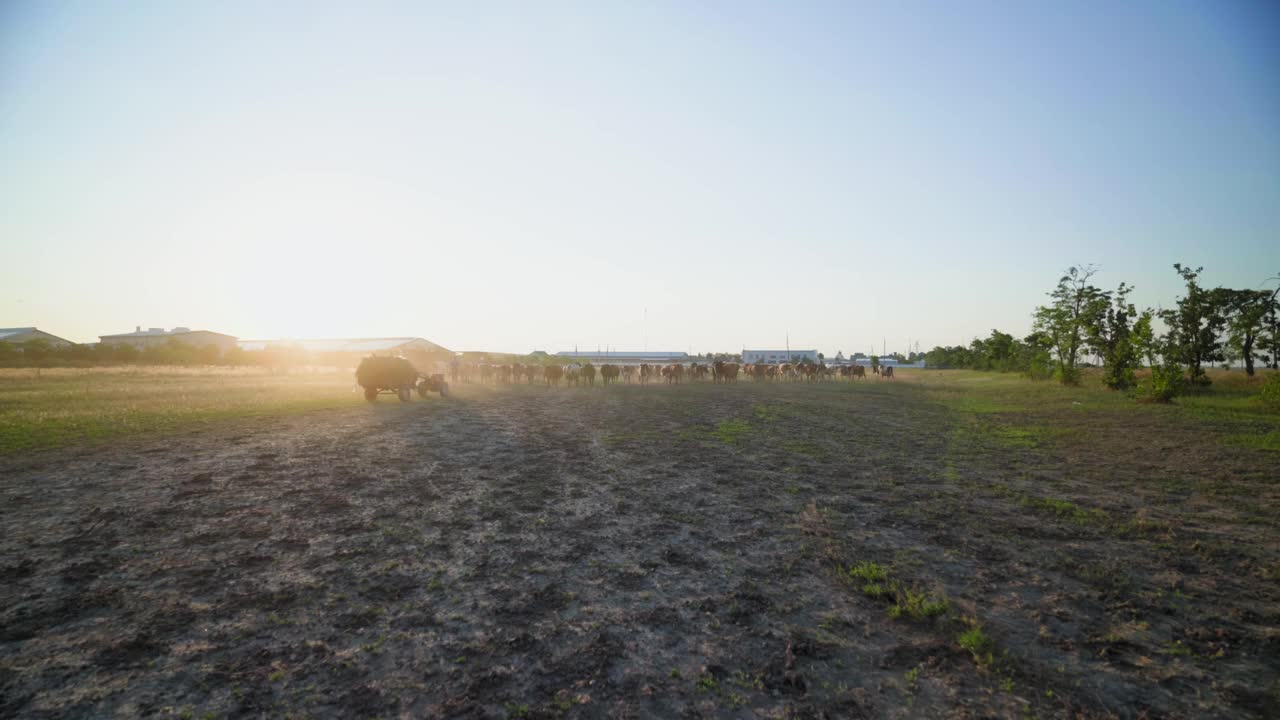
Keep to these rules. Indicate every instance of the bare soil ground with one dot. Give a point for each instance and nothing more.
(824, 550)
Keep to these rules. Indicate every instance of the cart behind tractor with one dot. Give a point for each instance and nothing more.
(396, 376)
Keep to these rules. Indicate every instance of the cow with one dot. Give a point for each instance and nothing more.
(551, 374)
(455, 371)
(698, 372)
(760, 372)
(628, 372)
(609, 373)
(647, 372)
(859, 372)
(572, 373)
(717, 370)
(486, 372)
(674, 373)
(731, 372)
(503, 373)
(887, 371)
(517, 372)
(588, 373)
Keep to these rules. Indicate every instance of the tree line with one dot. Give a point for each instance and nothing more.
(40, 353)
(1204, 326)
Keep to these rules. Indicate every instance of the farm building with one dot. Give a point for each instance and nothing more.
(150, 337)
(21, 335)
(778, 356)
(346, 352)
(623, 357)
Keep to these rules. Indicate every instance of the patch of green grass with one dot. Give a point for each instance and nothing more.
(978, 644)
(732, 432)
(917, 605)
(517, 710)
(764, 412)
(1067, 509)
(1028, 436)
(907, 602)
(72, 406)
(1268, 441)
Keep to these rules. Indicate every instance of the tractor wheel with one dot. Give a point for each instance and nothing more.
(444, 389)
(371, 394)
(405, 394)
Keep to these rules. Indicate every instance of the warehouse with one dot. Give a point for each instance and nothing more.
(778, 356)
(152, 337)
(18, 336)
(346, 352)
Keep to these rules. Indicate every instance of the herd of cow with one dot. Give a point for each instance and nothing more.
(719, 372)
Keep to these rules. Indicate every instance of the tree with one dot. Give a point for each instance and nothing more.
(1254, 319)
(1271, 325)
(35, 352)
(1196, 325)
(1161, 355)
(875, 363)
(1110, 337)
(1064, 321)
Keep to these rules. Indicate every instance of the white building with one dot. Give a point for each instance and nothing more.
(617, 357)
(773, 357)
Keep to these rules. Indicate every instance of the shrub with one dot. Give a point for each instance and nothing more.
(1164, 384)
(1270, 394)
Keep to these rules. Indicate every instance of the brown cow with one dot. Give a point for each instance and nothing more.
(486, 372)
(531, 373)
(551, 374)
(859, 372)
(588, 373)
(628, 372)
(674, 373)
(609, 373)
(647, 372)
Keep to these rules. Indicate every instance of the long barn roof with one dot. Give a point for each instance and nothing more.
(346, 345)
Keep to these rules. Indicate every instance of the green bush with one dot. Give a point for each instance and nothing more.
(1165, 383)
(1270, 394)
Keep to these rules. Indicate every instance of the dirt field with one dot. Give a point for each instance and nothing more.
(888, 549)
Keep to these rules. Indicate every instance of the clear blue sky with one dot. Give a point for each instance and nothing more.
(535, 175)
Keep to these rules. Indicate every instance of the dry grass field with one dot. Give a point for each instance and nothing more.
(946, 544)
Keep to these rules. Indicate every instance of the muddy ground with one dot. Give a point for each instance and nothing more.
(645, 552)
